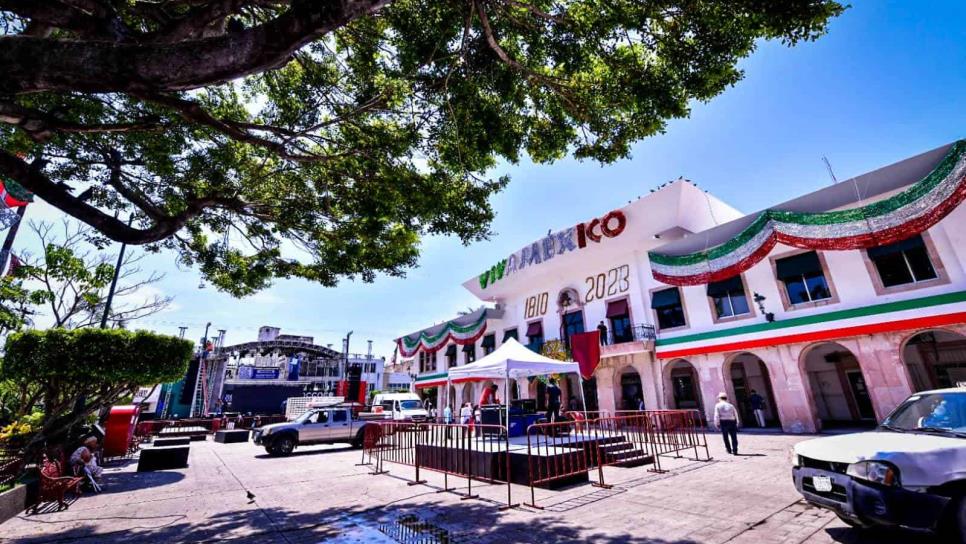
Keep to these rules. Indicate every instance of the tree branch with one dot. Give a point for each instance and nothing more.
(31, 177)
(104, 66)
(40, 126)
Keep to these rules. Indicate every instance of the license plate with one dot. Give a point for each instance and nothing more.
(822, 484)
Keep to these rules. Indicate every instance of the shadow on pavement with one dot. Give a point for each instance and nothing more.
(461, 523)
(314, 451)
(847, 535)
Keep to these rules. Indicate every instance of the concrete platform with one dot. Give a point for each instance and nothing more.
(163, 458)
(179, 441)
(232, 436)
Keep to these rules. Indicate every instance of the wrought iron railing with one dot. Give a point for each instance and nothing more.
(634, 333)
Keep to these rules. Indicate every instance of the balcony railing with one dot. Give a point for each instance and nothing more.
(634, 333)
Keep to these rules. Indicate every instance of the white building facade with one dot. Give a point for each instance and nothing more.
(832, 307)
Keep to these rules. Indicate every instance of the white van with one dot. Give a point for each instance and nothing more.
(401, 406)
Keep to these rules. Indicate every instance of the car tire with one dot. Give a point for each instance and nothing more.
(357, 442)
(954, 529)
(284, 445)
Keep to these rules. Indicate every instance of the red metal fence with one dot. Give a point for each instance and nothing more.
(476, 452)
(557, 453)
(153, 427)
(11, 466)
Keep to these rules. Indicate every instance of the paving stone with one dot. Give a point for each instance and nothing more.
(321, 495)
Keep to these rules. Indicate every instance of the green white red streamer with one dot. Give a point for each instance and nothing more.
(460, 334)
(893, 219)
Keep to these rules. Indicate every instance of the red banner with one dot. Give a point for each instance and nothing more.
(585, 347)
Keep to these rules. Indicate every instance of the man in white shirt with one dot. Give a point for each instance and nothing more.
(726, 419)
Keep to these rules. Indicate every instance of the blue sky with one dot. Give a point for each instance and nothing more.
(888, 81)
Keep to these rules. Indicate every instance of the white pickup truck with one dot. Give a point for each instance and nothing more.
(910, 472)
(326, 425)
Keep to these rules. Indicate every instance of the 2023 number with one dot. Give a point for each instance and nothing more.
(614, 281)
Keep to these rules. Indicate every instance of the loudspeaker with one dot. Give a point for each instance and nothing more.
(353, 376)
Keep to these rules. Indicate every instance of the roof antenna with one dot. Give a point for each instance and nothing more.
(831, 174)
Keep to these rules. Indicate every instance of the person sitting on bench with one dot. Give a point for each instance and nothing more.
(84, 462)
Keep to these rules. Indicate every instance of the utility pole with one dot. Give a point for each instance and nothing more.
(117, 273)
(345, 364)
(11, 235)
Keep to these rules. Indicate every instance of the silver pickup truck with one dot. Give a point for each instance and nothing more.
(316, 426)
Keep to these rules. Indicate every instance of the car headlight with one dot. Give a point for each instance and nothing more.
(874, 471)
(795, 458)
(264, 432)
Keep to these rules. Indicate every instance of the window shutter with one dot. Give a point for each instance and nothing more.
(617, 308)
(665, 298)
(798, 265)
(890, 249)
(535, 329)
(723, 287)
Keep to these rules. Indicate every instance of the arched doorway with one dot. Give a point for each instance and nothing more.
(746, 374)
(935, 359)
(451, 398)
(467, 393)
(684, 386)
(838, 388)
(631, 390)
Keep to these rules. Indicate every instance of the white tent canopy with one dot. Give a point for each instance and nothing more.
(512, 360)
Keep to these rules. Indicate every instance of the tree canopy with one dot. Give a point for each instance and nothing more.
(60, 367)
(323, 138)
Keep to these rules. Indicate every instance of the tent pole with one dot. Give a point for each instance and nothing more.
(583, 401)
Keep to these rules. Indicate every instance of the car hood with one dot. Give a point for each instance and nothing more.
(922, 459)
(266, 429)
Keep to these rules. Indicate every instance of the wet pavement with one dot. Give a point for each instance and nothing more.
(322, 494)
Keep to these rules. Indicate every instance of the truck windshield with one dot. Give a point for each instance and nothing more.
(306, 417)
(931, 412)
(409, 405)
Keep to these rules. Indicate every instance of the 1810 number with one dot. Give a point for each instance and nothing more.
(536, 305)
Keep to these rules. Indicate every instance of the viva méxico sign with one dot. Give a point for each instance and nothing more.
(557, 243)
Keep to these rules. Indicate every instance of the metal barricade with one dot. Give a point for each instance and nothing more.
(558, 451)
(476, 452)
(676, 431)
(626, 440)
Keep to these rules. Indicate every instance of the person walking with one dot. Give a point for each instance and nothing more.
(553, 401)
(602, 329)
(726, 420)
(640, 404)
(466, 413)
(758, 407)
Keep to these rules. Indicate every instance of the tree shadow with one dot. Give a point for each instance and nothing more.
(848, 535)
(470, 521)
(316, 451)
(132, 481)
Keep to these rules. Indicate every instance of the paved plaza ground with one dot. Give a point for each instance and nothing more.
(321, 495)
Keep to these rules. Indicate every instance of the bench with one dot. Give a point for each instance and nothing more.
(194, 432)
(179, 441)
(163, 458)
(54, 485)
